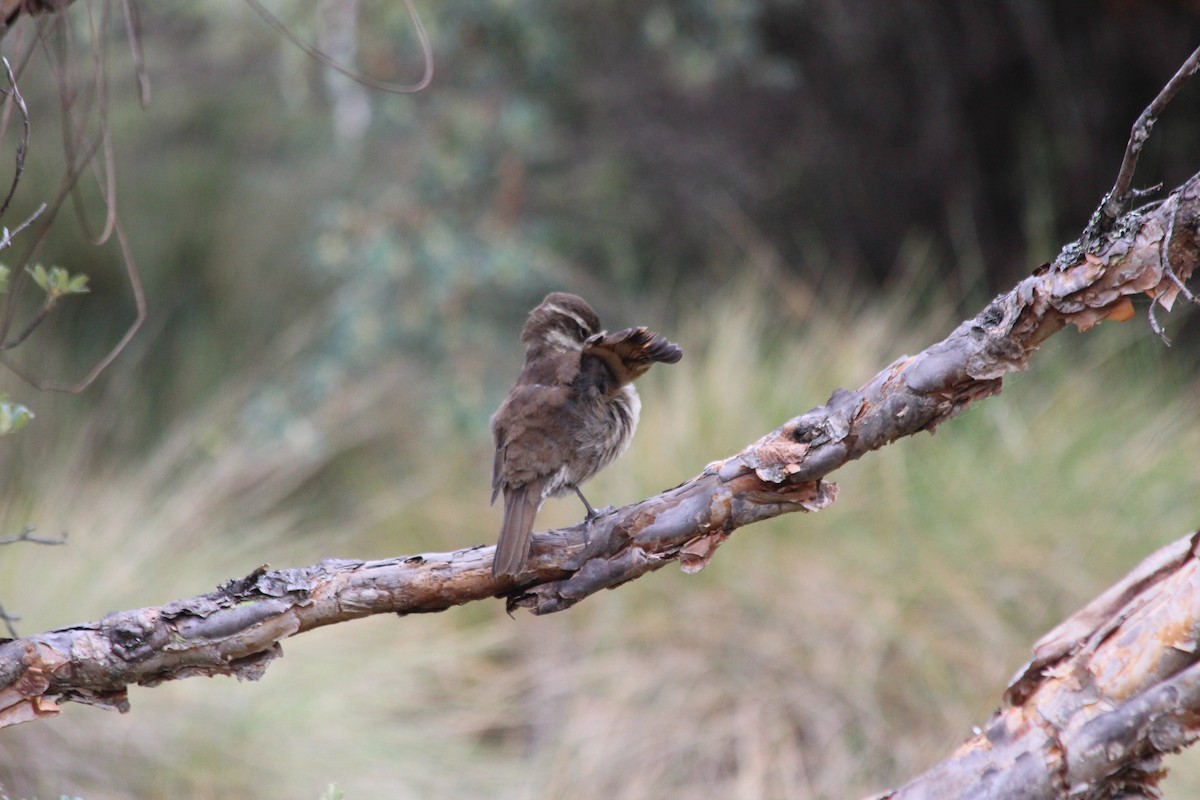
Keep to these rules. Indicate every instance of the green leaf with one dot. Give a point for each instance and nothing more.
(38, 272)
(4, 273)
(57, 282)
(13, 416)
(78, 284)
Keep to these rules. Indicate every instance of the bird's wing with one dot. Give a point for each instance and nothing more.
(630, 352)
(497, 471)
(529, 431)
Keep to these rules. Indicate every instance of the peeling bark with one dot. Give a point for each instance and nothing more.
(1108, 693)
(236, 630)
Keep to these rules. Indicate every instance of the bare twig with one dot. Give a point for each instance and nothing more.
(133, 31)
(47, 306)
(10, 10)
(23, 145)
(81, 150)
(1156, 326)
(7, 236)
(104, 169)
(1118, 199)
(358, 77)
(139, 298)
(1165, 255)
(8, 620)
(26, 535)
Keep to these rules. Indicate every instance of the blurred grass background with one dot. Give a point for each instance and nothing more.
(334, 315)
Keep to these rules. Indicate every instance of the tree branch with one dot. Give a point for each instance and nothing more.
(8, 620)
(1117, 201)
(11, 10)
(27, 535)
(237, 629)
(1108, 693)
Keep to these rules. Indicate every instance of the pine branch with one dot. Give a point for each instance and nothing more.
(237, 630)
(1108, 693)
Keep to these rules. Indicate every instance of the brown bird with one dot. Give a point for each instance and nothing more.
(572, 411)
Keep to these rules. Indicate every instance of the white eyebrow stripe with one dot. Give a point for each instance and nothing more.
(555, 307)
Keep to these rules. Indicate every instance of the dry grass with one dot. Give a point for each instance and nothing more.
(821, 656)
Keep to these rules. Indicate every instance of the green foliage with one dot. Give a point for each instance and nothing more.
(57, 282)
(13, 416)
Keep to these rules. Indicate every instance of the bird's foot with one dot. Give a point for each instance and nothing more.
(596, 513)
(593, 514)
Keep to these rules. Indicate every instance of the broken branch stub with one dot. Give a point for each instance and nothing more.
(920, 392)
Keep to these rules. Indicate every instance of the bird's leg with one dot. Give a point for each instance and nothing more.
(587, 520)
(591, 512)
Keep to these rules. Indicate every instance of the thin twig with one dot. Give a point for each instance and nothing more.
(43, 312)
(1156, 326)
(26, 535)
(1164, 255)
(80, 149)
(1119, 197)
(23, 145)
(8, 620)
(139, 298)
(358, 77)
(105, 177)
(7, 237)
(133, 31)
(45, 27)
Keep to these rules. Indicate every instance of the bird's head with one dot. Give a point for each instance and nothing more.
(562, 322)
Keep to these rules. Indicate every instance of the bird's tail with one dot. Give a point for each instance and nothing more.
(521, 504)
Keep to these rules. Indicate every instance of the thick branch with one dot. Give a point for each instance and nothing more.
(237, 629)
(1108, 694)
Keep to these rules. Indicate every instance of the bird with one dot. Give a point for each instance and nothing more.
(572, 410)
